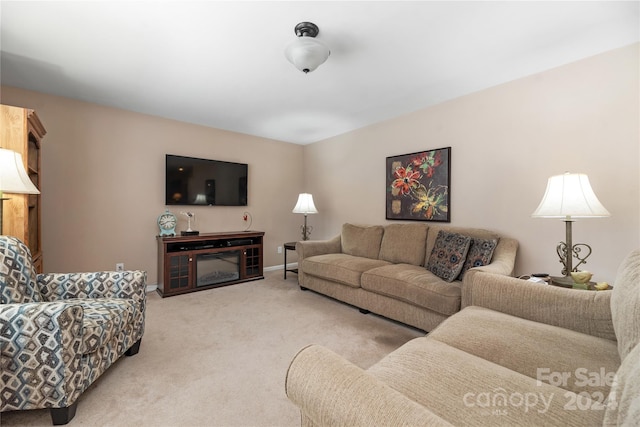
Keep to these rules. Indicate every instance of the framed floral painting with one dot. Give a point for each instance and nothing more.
(418, 186)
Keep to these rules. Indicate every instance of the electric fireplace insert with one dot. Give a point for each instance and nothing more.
(217, 268)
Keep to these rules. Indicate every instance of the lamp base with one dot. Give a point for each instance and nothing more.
(189, 233)
(306, 229)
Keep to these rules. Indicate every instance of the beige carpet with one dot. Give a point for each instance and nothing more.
(219, 357)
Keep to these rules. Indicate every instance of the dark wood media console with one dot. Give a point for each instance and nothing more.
(195, 263)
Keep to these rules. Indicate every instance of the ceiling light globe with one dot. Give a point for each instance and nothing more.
(306, 53)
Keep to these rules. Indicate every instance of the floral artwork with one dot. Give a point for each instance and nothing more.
(418, 186)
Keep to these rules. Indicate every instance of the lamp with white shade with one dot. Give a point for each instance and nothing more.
(13, 177)
(569, 196)
(305, 206)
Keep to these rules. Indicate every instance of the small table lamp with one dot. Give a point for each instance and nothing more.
(13, 177)
(305, 206)
(570, 196)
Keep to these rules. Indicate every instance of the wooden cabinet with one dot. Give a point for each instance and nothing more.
(22, 131)
(194, 263)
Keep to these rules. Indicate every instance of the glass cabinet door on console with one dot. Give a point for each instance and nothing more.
(252, 258)
(178, 272)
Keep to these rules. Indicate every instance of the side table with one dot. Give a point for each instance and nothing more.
(565, 282)
(289, 246)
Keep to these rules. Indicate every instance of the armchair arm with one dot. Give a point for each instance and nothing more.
(329, 390)
(35, 335)
(103, 284)
(588, 312)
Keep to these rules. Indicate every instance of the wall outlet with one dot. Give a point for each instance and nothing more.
(279, 249)
(120, 266)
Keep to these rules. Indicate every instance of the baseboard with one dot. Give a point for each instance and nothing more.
(153, 287)
(281, 267)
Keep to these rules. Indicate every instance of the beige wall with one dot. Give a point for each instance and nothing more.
(103, 169)
(103, 183)
(506, 141)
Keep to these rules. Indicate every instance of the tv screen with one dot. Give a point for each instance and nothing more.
(201, 182)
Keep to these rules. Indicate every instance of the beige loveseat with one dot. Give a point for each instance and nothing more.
(519, 353)
(381, 269)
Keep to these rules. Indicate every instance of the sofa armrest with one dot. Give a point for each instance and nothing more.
(503, 260)
(309, 248)
(33, 335)
(329, 390)
(588, 312)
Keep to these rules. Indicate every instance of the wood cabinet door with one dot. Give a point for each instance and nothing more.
(178, 269)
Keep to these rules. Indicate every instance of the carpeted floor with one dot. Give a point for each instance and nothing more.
(219, 357)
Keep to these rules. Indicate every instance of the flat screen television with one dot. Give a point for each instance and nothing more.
(202, 182)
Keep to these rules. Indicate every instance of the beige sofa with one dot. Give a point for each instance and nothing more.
(381, 269)
(519, 353)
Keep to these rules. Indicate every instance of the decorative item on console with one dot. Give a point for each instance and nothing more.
(189, 231)
(248, 220)
(167, 223)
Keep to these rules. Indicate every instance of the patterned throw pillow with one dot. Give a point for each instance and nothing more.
(448, 255)
(480, 253)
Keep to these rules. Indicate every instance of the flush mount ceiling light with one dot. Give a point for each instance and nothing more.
(306, 52)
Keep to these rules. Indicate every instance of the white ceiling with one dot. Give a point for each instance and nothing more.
(221, 63)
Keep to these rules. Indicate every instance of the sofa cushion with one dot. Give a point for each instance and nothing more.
(516, 344)
(625, 303)
(404, 243)
(104, 318)
(468, 390)
(480, 253)
(448, 255)
(362, 240)
(341, 268)
(415, 285)
(623, 405)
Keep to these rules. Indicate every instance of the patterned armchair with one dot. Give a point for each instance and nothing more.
(60, 332)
